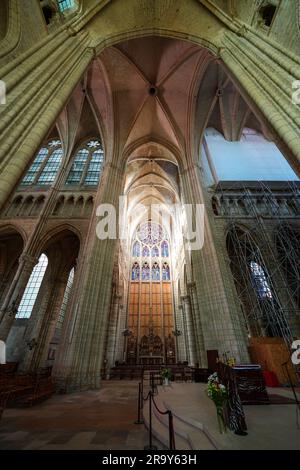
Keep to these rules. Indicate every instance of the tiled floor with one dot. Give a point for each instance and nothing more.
(101, 419)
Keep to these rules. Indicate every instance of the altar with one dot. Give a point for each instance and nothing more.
(151, 360)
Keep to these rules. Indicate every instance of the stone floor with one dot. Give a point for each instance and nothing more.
(92, 420)
(104, 419)
(270, 427)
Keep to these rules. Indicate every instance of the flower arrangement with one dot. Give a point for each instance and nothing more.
(218, 393)
(166, 374)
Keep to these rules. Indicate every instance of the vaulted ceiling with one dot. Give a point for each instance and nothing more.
(151, 99)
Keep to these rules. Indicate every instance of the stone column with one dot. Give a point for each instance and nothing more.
(190, 329)
(42, 323)
(184, 334)
(112, 333)
(80, 359)
(180, 337)
(216, 318)
(10, 305)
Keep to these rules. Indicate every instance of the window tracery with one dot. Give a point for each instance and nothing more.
(87, 165)
(45, 166)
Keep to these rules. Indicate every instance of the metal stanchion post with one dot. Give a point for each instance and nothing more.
(150, 446)
(140, 401)
(171, 432)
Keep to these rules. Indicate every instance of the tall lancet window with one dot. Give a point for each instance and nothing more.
(260, 282)
(87, 165)
(32, 288)
(164, 249)
(150, 307)
(135, 272)
(155, 272)
(45, 166)
(65, 5)
(66, 298)
(146, 272)
(136, 250)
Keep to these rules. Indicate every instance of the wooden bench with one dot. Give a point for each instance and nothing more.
(43, 389)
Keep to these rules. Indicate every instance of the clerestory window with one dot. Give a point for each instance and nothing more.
(45, 166)
(87, 165)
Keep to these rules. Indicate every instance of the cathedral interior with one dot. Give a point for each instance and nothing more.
(150, 107)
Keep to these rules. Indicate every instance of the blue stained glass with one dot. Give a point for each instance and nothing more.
(155, 252)
(136, 251)
(165, 249)
(135, 272)
(260, 282)
(155, 272)
(146, 272)
(165, 272)
(146, 251)
(65, 4)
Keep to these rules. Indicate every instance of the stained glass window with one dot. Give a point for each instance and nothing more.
(155, 272)
(145, 252)
(146, 272)
(135, 272)
(65, 5)
(166, 272)
(260, 282)
(150, 233)
(45, 166)
(136, 250)
(87, 165)
(164, 249)
(32, 288)
(155, 252)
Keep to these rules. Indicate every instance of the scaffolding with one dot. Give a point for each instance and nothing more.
(264, 250)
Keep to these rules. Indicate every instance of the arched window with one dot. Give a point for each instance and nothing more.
(136, 250)
(267, 13)
(66, 5)
(32, 288)
(87, 165)
(155, 252)
(146, 272)
(287, 240)
(155, 272)
(165, 272)
(135, 272)
(45, 166)
(146, 251)
(65, 301)
(260, 282)
(260, 303)
(165, 249)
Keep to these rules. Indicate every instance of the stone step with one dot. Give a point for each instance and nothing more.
(188, 435)
(160, 430)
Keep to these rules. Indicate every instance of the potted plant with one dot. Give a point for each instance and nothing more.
(218, 393)
(166, 376)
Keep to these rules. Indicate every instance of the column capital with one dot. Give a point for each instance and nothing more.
(191, 285)
(10, 310)
(191, 167)
(184, 298)
(28, 259)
